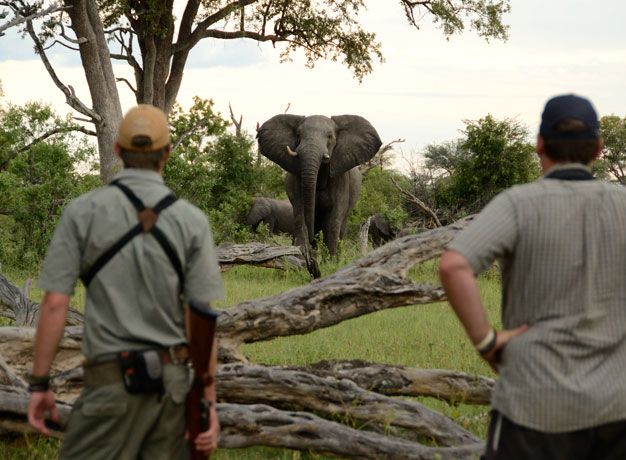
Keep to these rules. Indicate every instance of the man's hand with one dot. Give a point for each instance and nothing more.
(40, 403)
(206, 442)
(494, 356)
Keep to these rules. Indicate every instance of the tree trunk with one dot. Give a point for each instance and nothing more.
(96, 60)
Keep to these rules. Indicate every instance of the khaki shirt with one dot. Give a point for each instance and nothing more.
(133, 301)
(562, 249)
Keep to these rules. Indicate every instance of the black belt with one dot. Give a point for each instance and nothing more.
(106, 369)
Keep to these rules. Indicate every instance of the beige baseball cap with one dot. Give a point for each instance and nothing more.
(144, 129)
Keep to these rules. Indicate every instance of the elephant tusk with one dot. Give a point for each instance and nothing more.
(326, 158)
(291, 152)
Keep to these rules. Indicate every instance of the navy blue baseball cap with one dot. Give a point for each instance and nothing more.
(569, 106)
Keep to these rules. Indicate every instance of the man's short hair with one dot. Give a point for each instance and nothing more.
(143, 137)
(142, 160)
(570, 129)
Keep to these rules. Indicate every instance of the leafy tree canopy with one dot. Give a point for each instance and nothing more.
(38, 177)
(216, 170)
(613, 158)
(496, 155)
(379, 195)
(147, 35)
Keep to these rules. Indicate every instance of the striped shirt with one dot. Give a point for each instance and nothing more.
(561, 246)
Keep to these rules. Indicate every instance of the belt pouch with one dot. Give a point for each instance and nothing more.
(142, 371)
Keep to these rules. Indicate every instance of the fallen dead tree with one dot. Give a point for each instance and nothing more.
(250, 425)
(355, 393)
(259, 254)
(451, 386)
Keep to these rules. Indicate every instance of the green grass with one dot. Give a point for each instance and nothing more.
(425, 336)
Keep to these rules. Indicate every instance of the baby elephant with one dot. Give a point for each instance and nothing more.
(380, 230)
(277, 214)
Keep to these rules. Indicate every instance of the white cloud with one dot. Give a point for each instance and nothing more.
(423, 91)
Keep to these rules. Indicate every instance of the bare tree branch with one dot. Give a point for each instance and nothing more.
(235, 122)
(20, 19)
(124, 80)
(57, 42)
(415, 200)
(185, 134)
(199, 32)
(41, 138)
(70, 95)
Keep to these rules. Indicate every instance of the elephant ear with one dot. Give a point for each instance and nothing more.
(275, 135)
(260, 210)
(357, 142)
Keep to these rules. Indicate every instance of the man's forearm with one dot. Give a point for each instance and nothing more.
(52, 316)
(459, 283)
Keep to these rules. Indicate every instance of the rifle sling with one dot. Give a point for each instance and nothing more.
(147, 224)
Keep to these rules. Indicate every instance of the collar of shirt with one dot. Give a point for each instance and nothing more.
(563, 166)
(136, 173)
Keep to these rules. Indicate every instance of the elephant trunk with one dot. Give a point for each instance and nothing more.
(308, 176)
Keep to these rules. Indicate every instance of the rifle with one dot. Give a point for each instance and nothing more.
(202, 322)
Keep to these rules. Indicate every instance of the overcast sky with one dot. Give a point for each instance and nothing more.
(422, 92)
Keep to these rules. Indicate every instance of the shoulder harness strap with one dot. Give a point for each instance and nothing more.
(147, 219)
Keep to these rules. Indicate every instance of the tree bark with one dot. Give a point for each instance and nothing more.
(372, 283)
(259, 254)
(452, 386)
(15, 305)
(253, 425)
(244, 426)
(336, 398)
(96, 60)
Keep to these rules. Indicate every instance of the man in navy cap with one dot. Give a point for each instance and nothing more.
(561, 245)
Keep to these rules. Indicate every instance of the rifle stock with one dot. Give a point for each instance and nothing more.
(202, 331)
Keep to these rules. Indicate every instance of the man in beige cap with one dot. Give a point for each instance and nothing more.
(139, 252)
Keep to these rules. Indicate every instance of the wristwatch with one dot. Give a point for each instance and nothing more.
(38, 383)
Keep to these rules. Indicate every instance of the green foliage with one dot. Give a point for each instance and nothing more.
(483, 16)
(493, 156)
(216, 170)
(445, 157)
(37, 179)
(379, 195)
(326, 29)
(612, 162)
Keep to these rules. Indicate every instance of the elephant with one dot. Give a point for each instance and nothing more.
(321, 156)
(277, 214)
(380, 231)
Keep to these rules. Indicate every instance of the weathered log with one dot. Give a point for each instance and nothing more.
(244, 426)
(14, 410)
(15, 305)
(259, 254)
(452, 386)
(372, 283)
(289, 389)
(252, 425)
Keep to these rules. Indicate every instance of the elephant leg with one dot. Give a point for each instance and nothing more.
(343, 202)
(299, 228)
(300, 232)
(332, 229)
